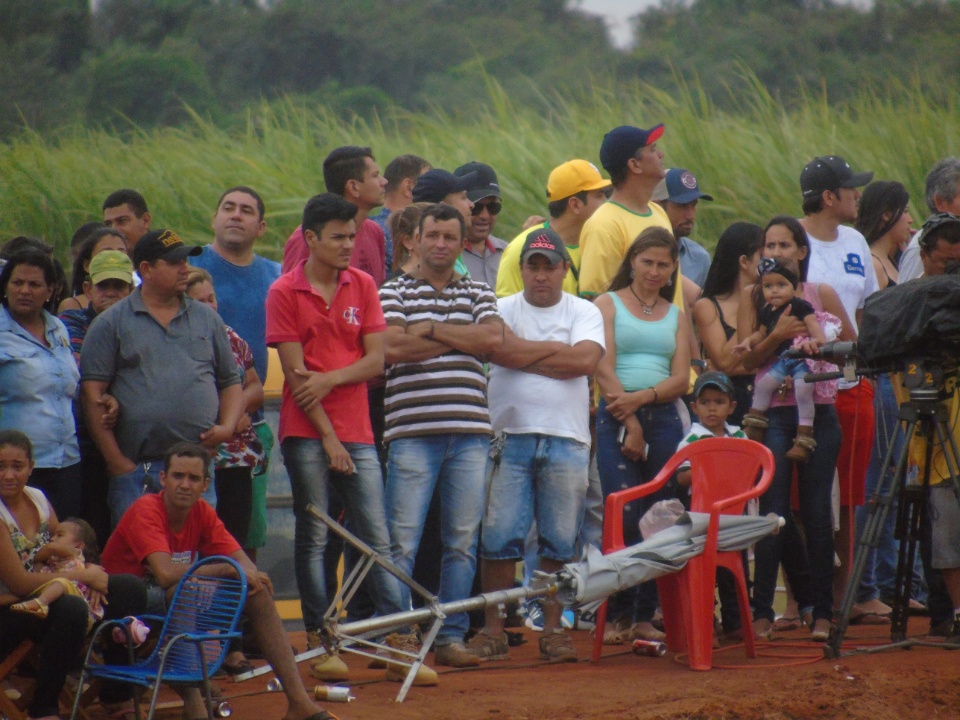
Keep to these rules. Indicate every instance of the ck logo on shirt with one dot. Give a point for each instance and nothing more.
(854, 265)
(351, 315)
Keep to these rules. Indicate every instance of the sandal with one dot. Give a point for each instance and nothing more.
(31, 607)
(786, 623)
(616, 632)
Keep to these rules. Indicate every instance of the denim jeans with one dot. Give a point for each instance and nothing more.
(456, 465)
(662, 431)
(542, 477)
(814, 483)
(126, 489)
(362, 495)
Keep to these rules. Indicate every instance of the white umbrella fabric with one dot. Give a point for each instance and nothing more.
(597, 576)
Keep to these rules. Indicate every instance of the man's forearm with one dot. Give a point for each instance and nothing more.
(519, 354)
(404, 347)
(568, 362)
(481, 340)
(104, 438)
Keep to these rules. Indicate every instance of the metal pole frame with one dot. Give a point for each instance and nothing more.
(356, 637)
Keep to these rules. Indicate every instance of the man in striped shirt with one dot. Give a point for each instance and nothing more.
(440, 328)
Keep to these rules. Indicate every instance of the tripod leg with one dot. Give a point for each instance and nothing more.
(913, 507)
(887, 488)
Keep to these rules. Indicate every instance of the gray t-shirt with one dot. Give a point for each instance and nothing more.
(167, 380)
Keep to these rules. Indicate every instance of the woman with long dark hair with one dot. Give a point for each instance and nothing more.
(784, 239)
(734, 266)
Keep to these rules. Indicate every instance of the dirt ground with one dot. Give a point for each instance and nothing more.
(791, 680)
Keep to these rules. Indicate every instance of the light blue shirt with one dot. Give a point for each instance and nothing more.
(38, 385)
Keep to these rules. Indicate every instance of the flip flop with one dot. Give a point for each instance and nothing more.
(869, 618)
(786, 624)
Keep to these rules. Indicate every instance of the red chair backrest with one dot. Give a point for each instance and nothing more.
(723, 468)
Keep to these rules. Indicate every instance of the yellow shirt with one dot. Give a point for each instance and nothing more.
(509, 281)
(939, 473)
(605, 239)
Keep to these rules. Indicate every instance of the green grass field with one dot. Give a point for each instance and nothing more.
(749, 159)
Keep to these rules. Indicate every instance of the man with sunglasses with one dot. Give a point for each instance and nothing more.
(482, 250)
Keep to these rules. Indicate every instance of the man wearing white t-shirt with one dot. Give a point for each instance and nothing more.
(840, 258)
(539, 408)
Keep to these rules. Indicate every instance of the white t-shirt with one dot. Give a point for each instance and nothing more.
(845, 265)
(524, 402)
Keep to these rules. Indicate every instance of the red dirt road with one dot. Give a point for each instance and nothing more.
(791, 681)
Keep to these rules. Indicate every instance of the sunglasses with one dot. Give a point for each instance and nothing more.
(493, 207)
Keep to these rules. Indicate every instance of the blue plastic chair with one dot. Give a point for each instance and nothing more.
(200, 623)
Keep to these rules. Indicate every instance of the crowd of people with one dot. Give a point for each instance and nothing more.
(462, 403)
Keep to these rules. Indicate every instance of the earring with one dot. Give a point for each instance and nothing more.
(669, 282)
(631, 273)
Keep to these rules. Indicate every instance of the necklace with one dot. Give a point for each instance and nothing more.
(646, 309)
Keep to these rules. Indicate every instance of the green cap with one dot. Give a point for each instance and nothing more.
(111, 265)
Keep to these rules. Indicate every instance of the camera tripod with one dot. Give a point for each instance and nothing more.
(925, 414)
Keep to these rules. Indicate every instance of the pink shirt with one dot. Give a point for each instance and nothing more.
(369, 254)
(332, 338)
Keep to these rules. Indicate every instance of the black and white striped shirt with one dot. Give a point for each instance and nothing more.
(448, 393)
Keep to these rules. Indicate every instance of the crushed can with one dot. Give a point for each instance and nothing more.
(650, 648)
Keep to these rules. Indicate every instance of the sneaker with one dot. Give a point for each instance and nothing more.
(556, 646)
(407, 644)
(586, 620)
(328, 666)
(455, 655)
(534, 619)
(487, 647)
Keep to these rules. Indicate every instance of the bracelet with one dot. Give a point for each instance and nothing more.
(656, 396)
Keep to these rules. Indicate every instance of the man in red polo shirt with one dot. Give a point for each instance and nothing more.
(160, 537)
(324, 318)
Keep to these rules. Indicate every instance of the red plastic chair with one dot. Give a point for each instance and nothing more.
(723, 478)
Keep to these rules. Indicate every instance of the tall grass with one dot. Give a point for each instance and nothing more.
(749, 158)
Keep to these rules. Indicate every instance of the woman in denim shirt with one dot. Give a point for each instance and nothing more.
(39, 377)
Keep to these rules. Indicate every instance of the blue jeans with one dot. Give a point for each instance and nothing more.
(814, 482)
(362, 495)
(663, 431)
(542, 477)
(126, 489)
(456, 465)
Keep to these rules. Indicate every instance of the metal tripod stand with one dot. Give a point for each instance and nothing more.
(925, 414)
(360, 637)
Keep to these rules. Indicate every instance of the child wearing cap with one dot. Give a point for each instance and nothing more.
(774, 295)
(712, 403)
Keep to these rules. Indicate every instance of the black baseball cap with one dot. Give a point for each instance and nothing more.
(546, 242)
(162, 244)
(485, 185)
(714, 379)
(830, 172)
(434, 185)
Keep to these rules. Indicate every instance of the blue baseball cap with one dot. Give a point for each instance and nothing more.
(679, 186)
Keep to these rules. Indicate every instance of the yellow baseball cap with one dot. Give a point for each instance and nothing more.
(111, 265)
(572, 177)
